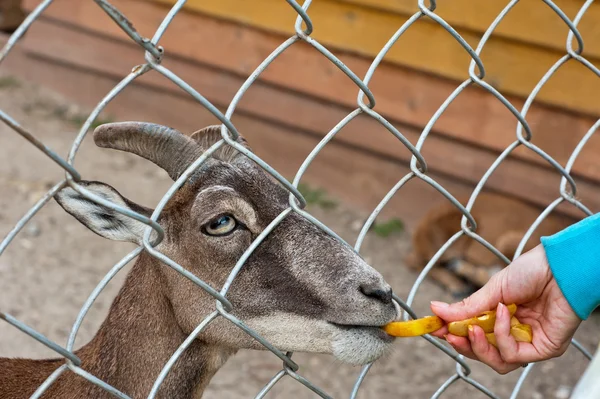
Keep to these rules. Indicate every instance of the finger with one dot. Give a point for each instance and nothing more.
(510, 350)
(485, 298)
(461, 345)
(441, 332)
(507, 346)
(486, 353)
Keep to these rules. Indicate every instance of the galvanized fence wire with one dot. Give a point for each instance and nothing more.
(365, 105)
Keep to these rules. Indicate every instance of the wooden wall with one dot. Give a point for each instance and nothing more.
(526, 43)
(215, 44)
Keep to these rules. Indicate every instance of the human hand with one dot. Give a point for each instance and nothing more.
(529, 283)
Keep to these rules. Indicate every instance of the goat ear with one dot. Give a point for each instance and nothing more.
(210, 135)
(102, 220)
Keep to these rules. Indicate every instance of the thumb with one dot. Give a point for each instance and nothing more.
(486, 298)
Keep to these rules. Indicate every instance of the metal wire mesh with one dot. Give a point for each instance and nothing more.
(365, 105)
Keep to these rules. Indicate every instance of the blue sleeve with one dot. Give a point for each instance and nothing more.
(574, 258)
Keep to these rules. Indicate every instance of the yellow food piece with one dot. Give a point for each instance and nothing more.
(429, 324)
(413, 328)
(486, 321)
(491, 338)
(520, 332)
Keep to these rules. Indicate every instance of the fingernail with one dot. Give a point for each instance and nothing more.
(471, 332)
(470, 327)
(501, 308)
(439, 304)
(446, 337)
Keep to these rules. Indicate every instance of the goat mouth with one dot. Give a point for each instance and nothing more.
(376, 331)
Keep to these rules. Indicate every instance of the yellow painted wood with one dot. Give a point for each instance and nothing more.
(530, 21)
(512, 67)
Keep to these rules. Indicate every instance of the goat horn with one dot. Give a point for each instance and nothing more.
(168, 148)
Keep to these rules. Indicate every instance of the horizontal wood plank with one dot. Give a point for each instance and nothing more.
(404, 96)
(512, 67)
(531, 22)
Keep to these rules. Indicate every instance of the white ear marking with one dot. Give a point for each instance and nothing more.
(102, 220)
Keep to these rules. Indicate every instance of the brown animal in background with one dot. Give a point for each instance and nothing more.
(467, 265)
(11, 15)
(301, 289)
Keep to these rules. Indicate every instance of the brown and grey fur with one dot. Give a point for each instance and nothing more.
(301, 289)
(467, 265)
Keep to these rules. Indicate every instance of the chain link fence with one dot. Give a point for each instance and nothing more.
(365, 105)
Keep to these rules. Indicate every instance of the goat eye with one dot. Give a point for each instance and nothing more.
(221, 225)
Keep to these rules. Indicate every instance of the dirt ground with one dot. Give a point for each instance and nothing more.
(50, 269)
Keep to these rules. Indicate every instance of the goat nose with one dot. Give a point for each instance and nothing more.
(376, 291)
